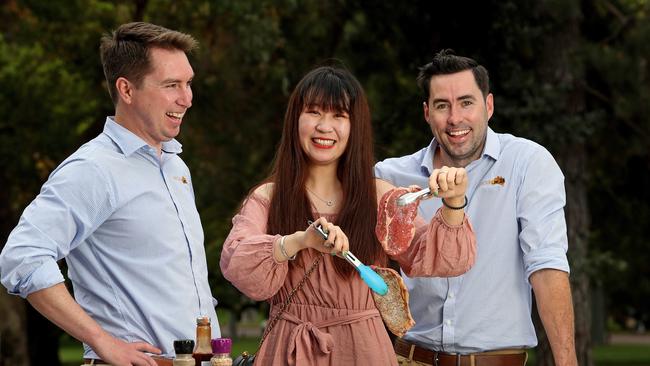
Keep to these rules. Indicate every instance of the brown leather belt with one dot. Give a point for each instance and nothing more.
(494, 358)
(89, 361)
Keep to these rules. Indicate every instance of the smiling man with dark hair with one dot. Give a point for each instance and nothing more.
(516, 204)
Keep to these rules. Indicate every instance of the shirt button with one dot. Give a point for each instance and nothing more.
(451, 295)
(448, 321)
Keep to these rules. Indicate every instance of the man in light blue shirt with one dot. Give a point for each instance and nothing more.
(516, 204)
(121, 211)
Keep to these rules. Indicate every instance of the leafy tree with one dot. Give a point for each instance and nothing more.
(570, 75)
(49, 104)
(618, 83)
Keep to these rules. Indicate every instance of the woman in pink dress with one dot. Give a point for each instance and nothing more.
(323, 172)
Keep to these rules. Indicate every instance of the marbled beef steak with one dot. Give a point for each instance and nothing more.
(394, 306)
(395, 228)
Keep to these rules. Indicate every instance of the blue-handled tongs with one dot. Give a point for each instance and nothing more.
(370, 277)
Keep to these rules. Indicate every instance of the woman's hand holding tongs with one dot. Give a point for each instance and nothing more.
(331, 239)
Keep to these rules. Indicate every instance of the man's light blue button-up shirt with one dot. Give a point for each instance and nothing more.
(125, 220)
(520, 228)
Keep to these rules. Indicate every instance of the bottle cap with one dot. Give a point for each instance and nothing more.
(184, 346)
(203, 320)
(221, 345)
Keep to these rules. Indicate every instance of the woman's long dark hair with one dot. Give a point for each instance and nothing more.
(332, 89)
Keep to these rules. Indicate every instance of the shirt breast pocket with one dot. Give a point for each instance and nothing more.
(492, 198)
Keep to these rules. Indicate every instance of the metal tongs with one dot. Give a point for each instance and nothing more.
(411, 197)
(370, 277)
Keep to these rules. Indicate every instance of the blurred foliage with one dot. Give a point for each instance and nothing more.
(618, 82)
(252, 52)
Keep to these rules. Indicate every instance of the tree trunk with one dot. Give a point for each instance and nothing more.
(561, 70)
(42, 338)
(573, 163)
(26, 337)
(232, 324)
(578, 218)
(13, 338)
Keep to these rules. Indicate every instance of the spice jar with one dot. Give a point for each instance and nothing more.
(221, 352)
(183, 349)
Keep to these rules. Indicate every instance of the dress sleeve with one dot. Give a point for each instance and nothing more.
(435, 249)
(439, 249)
(247, 255)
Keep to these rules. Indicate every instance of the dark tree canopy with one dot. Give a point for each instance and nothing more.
(571, 75)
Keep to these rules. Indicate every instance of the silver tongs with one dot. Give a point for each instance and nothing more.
(346, 254)
(368, 275)
(411, 197)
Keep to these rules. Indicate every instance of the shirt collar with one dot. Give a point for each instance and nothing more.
(492, 145)
(491, 149)
(426, 165)
(129, 142)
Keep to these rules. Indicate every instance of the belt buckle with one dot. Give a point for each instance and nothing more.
(436, 359)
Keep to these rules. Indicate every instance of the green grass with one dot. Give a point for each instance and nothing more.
(71, 353)
(245, 344)
(632, 354)
(614, 355)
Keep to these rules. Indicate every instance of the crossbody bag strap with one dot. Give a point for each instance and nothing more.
(285, 304)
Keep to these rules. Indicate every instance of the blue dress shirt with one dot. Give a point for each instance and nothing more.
(125, 221)
(516, 206)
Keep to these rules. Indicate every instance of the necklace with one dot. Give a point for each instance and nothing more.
(329, 203)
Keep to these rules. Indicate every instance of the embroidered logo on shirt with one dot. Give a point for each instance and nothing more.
(181, 179)
(496, 180)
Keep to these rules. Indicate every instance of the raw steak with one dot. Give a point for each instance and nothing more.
(394, 306)
(395, 228)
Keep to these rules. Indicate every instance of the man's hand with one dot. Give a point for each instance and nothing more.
(56, 304)
(449, 183)
(119, 353)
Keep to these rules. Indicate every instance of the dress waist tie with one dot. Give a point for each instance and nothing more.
(301, 350)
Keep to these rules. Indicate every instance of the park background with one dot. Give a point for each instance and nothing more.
(572, 75)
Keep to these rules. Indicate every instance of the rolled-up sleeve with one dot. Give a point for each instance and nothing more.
(71, 205)
(543, 235)
(247, 256)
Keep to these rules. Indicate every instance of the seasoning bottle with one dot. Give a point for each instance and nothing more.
(221, 351)
(203, 351)
(183, 349)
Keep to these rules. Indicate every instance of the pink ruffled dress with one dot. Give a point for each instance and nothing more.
(331, 320)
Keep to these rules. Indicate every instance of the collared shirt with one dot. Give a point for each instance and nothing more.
(125, 221)
(516, 204)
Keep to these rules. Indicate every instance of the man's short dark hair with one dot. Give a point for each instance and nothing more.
(447, 62)
(125, 52)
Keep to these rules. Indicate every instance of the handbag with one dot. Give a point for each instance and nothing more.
(246, 359)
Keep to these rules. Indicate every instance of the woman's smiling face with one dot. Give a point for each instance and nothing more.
(323, 134)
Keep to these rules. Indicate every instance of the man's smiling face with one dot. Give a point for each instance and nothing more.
(458, 115)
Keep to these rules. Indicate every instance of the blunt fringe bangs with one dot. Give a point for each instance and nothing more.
(328, 89)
